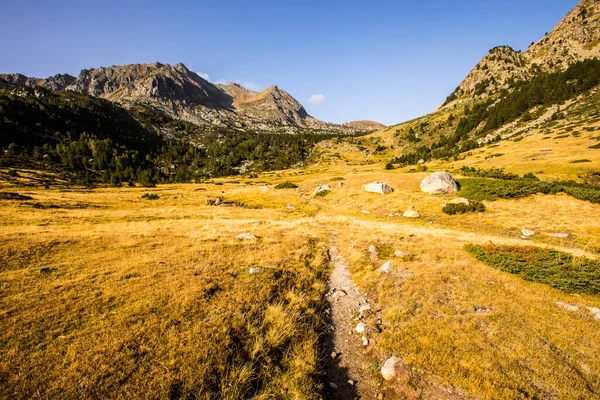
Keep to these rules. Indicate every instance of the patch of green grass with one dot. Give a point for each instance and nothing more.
(150, 196)
(286, 185)
(491, 189)
(588, 194)
(473, 206)
(547, 266)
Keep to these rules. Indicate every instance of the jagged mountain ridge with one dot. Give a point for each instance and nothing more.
(183, 94)
(576, 37)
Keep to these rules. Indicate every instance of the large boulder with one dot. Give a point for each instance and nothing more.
(439, 183)
(390, 368)
(378, 187)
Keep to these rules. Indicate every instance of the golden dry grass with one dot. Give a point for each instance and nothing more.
(105, 294)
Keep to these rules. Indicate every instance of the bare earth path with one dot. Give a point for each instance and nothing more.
(347, 358)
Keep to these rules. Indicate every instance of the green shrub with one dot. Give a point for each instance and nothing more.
(323, 193)
(547, 266)
(389, 166)
(286, 185)
(473, 206)
(588, 194)
(150, 196)
(492, 189)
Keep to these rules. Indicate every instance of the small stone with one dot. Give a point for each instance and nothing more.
(527, 232)
(365, 341)
(246, 236)
(338, 293)
(333, 385)
(559, 235)
(386, 267)
(255, 270)
(290, 207)
(351, 382)
(411, 214)
(360, 328)
(322, 188)
(366, 212)
(388, 371)
(334, 355)
(400, 253)
(364, 309)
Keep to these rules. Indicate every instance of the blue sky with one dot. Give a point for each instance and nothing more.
(387, 61)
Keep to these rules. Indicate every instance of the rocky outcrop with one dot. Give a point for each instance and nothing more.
(378, 187)
(56, 82)
(365, 125)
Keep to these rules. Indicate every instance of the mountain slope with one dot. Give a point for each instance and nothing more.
(183, 94)
(576, 37)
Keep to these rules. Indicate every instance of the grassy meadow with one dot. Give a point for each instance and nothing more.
(106, 294)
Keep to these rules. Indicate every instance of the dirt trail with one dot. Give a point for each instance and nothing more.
(347, 357)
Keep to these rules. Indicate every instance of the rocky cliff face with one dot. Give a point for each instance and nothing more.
(365, 125)
(575, 38)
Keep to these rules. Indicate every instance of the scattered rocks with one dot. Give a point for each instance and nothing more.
(255, 270)
(246, 236)
(411, 214)
(322, 188)
(439, 183)
(372, 249)
(360, 327)
(386, 267)
(378, 187)
(388, 371)
(568, 307)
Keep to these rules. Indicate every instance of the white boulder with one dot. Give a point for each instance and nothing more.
(387, 267)
(439, 183)
(378, 187)
(411, 214)
(360, 328)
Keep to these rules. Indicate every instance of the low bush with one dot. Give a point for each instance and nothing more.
(286, 185)
(473, 206)
(492, 189)
(322, 193)
(547, 266)
(150, 196)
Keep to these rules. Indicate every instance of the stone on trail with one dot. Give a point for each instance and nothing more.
(439, 183)
(246, 236)
(322, 188)
(388, 371)
(411, 214)
(386, 267)
(378, 187)
(360, 328)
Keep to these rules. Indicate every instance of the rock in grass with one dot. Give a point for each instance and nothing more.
(439, 183)
(372, 249)
(386, 267)
(400, 253)
(364, 309)
(360, 327)
(322, 188)
(595, 311)
(411, 214)
(568, 307)
(246, 236)
(527, 232)
(255, 270)
(378, 187)
(365, 341)
(559, 235)
(389, 370)
(333, 385)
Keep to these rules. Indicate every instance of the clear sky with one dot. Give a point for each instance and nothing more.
(387, 61)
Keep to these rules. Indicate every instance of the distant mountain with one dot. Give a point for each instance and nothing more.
(365, 125)
(183, 94)
(575, 38)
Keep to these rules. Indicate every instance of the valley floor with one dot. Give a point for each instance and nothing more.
(106, 294)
